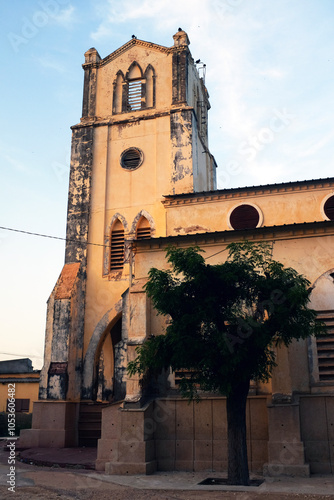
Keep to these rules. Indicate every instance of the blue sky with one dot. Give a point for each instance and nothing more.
(270, 75)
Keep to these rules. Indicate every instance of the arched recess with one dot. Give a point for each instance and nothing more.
(109, 325)
(321, 350)
(116, 258)
(142, 214)
(135, 87)
(118, 92)
(134, 71)
(150, 86)
(107, 240)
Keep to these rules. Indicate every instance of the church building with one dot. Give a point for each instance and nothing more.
(141, 178)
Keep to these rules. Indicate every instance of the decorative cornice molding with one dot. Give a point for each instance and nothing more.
(265, 233)
(122, 118)
(127, 46)
(245, 192)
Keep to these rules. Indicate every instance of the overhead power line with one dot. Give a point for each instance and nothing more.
(51, 237)
(21, 355)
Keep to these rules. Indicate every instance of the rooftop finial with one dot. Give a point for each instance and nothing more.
(181, 38)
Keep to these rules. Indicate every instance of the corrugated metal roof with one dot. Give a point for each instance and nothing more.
(246, 188)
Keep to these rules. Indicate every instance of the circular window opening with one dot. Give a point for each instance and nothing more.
(132, 158)
(329, 208)
(244, 217)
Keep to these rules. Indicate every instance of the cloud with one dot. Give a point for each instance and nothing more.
(115, 12)
(316, 146)
(47, 62)
(65, 17)
(16, 164)
(255, 62)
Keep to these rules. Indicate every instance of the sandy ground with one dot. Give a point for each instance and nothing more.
(64, 484)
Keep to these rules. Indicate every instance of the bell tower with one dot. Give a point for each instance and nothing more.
(142, 135)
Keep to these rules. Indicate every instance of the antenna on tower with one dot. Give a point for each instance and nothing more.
(201, 68)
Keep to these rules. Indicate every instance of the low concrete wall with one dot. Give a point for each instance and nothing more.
(172, 434)
(193, 437)
(54, 425)
(317, 429)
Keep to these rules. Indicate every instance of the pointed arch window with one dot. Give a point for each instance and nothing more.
(135, 87)
(118, 93)
(135, 90)
(150, 87)
(117, 246)
(143, 231)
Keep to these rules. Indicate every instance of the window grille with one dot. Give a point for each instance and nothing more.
(244, 217)
(117, 247)
(134, 94)
(143, 229)
(131, 158)
(325, 348)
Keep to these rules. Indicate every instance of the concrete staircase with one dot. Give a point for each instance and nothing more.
(89, 428)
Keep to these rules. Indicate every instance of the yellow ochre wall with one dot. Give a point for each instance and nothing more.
(23, 390)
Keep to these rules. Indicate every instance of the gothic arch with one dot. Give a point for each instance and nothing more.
(113, 220)
(149, 67)
(142, 213)
(149, 76)
(94, 349)
(118, 92)
(132, 73)
(107, 239)
(322, 300)
(322, 296)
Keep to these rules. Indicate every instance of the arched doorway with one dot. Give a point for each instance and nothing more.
(109, 384)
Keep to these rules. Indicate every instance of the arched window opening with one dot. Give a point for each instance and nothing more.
(118, 93)
(329, 208)
(135, 90)
(143, 229)
(135, 84)
(117, 247)
(149, 88)
(244, 216)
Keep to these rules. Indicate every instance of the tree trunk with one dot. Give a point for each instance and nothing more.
(238, 472)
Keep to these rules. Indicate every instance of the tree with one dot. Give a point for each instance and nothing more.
(225, 322)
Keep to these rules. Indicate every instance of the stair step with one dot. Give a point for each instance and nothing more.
(89, 425)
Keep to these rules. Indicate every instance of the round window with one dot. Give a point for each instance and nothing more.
(131, 158)
(244, 217)
(329, 208)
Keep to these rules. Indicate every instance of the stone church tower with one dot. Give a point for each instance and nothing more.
(142, 136)
(141, 178)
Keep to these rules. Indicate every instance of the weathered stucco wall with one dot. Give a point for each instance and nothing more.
(277, 205)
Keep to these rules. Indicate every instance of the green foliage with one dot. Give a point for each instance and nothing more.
(225, 319)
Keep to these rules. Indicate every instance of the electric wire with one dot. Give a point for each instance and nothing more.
(52, 237)
(74, 241)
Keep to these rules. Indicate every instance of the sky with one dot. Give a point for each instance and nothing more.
(270, 77)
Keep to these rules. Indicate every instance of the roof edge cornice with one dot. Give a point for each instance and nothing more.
(284, 231)
(230, 193)
(128, 46)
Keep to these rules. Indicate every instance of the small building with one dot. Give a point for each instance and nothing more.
(142, 177)
(19, 375)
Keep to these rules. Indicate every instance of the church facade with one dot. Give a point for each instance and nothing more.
(142, 177)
